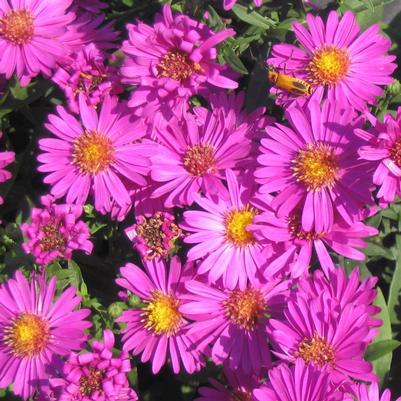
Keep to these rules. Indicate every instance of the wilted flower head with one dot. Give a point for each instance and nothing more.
(55, 232)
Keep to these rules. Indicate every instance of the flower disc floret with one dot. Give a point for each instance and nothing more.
(17, 26)
(176, 64)
(236, 222)
(316, 350)
(199, 160)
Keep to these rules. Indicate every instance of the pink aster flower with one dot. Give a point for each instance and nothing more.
(88, 75)
(192, 155)
(95, 375)
(229, 4)
(36, 331)
(372, 393)
(220, 232)
(154, 236)
(6, 158)
(343, 238)
(172, 60)
(158, 328)
(314, 166)
(300, 382)
(92, 6)
(97, 154)
(322, 332)
(30, 37)
(55, 232)
(383, 147)
(339, 62)
(233, 322)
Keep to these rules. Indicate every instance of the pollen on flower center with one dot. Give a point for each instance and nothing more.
(245, 308)
(316, 350)
(92, 152)
(17, 26)
(176, 65)
(241, 396)
(27, 335)
(329, 65)
(236, 222)
(199, 160)
(296, 231)
(92, 382)
(162, 315)
(316, 166)
(52, 238)
(395, 152)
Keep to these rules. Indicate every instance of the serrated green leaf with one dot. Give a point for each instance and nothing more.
(379, 349)
(252, 17)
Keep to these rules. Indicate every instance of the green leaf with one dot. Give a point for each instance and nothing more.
(252, 17)
(360, 5)
(234, 61)
(382, 365)
(378, 250)
(395, 286)
(381, 348)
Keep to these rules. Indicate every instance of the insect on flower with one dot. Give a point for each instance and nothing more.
(288, 83)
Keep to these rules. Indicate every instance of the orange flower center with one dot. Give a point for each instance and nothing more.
(92, 382)
(316, 350)
(93, 152)
(52, 240)
(295, 229)
(245, 308)
(236, 222)
(199, 160)
(17, 26)
(329, 65)
(176, 65)
(395, 152)
(27, 335)
(316, 166)
(162, 315)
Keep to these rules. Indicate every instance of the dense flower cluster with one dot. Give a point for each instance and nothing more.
(238, 221)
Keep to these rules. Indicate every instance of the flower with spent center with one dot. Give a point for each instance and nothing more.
(315, 167)
(233, 322)
(159, 327)
(99, 155)
(36, 331)
(340, 63)
(220, 233)
(171, 61)
(55, 232)
(97, 375)
(31, 37)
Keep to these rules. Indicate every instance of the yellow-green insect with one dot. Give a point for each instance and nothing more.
(288, 83)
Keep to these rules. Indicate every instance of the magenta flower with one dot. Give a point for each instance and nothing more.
(220, 232)
(95, 375)
(55, 232)
(338, 61)
(6, 158)
(172, 60)
(96, 155)
(193, 154)
(343, 238)
(314, 166)
(229, 4)
(36, 331)
(372, 393)
(159, 328)
(383, 147)
(300, 382)
(233, 322)
(154, 236)
(90, 76)
(322, 332)
(92, 6)
(30, 37)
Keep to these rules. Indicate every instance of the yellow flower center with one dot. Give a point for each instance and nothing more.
(53, 239)
(395, 152)
(295, 229)
(17, 26)
(92, 382)
(236, 222)
(176, 65)
(316, 350)
(316, 166)
(162, 315)
(329, 65)
(93, 152)
(199, 160)
(245, 308)
(27, 335)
